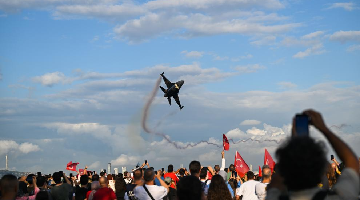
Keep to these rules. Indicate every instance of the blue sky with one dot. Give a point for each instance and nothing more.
(75, 75)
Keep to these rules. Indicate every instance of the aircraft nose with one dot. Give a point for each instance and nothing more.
(181, 82)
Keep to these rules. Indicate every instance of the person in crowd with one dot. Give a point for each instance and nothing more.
(22, 186)
(181, 173)
(231, 171)
(120, 187)
(111, 182)
(218, 189)
(9, 186)
(127, 177)
(42, 195)
(190, 187)
(137, 181)
(104, 192)
(60, 191)
(306, 157)
(80, 192)
(246, 191)
(217, 169)
(170, 173)
(204, 179)
(172, 191)
(30, 187)
(43, 186)
(331, 176)
(36, 190)
(95, 185)
(149, 190)
(260, 188)
(223, 174)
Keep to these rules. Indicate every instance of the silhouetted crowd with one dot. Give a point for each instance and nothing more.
(302, 172)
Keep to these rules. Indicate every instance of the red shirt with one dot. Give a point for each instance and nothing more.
(173, 177)
(104, 194)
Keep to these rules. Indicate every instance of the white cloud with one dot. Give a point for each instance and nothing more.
(193, 54)
(313, 35)
(287, 85)
(250, 122)
(314, 50)
(81, 128)
(50, 79)
(268, 40)
(353, 48)
(7, 146)
(28, 147)
(235, 133)
(255, 131)
(347, 6)
(249, 68)
(345, 36)
(125, 160)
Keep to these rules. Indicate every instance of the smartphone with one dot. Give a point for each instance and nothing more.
(332, 157)
(145, 162)
(234, 174)
(162, 169)
(39, 174)
(71, 175)
(302, 125)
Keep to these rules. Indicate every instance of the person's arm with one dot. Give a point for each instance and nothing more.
(222, 160)
(336, 162)
(211, 170)
(341, 148)
(66, 179)
(162, 183)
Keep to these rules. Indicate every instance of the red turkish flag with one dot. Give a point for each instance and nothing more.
(71, 166)
(240, 165)
(260, 175)
(226, 143)
(269, 161)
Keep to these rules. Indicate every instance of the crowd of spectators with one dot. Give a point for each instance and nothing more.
(302, 172)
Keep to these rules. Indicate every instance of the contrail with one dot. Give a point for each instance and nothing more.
(148, 130)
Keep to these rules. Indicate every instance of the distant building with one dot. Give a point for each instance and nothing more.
(16, 173)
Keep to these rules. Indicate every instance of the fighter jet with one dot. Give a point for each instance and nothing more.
(172, 90)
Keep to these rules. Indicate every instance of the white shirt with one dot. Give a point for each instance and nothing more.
(260, 190)
(247, 190)
(347, 188)
(112, 185)
(158, 192)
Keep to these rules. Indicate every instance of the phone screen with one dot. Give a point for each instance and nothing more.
(332, 157)
(302, 125)
(145, 161)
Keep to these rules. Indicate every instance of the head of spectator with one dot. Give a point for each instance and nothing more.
(266, 174)
(182, 172)
(125, 174)
(95, 185)
(103, 182)
(232, 168)
(170, 168)
(250, 175)
(41, 181)
(189, 188)
(95, 177)
(149, 176)
(22, 187)
(194, 168)
(57, 177)
(102, 174)
(42, 195)
(9, 186)
(218, 189)
(304, 156)
(203, 173)
(217, 169)
(120, 187)
(138, 175)
(226, 170)
(84, 180)
(109, 177)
